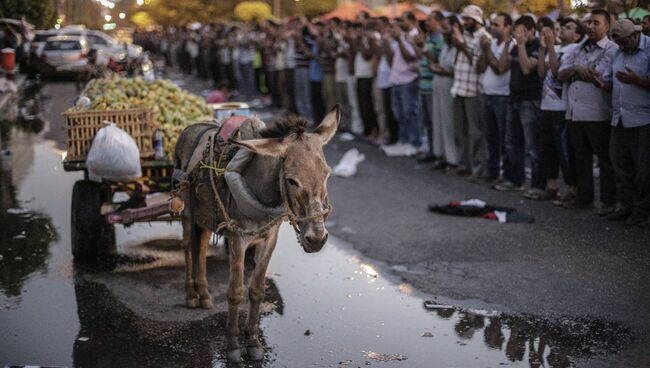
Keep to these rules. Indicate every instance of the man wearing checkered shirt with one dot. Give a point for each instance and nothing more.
(465, 90)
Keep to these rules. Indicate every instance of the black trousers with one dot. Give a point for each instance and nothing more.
(589, 139)
(317, 101)
(630, 152)
(391, 123)
(366, 106)
(554, 152)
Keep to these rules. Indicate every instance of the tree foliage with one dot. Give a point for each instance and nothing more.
(41, 13)
(314, 8)
(253, 10)
(174, 12)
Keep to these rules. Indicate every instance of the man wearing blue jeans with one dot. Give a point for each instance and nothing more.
(522, 130)
(404, 78)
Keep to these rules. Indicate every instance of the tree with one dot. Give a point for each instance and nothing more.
(253, 10)
(314, 8)
(173, 12)
(41, 13)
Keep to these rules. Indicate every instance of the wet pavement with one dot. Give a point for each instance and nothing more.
(335, 308)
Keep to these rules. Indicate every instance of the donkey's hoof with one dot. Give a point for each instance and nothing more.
(192, 303)
(206, 303)
(234, 356)
(255, 353)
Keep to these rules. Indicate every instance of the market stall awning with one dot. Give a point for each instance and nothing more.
(348, 11)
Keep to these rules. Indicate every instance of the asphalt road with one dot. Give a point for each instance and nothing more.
(568, 268)
(568, 263)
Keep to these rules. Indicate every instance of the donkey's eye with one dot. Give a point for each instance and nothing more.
(292, 182)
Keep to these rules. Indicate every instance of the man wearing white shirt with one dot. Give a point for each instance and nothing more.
(496, 90)
(553, 127)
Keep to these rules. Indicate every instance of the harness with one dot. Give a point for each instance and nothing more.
(230, 225)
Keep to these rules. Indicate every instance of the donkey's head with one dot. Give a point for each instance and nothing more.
(304, 173)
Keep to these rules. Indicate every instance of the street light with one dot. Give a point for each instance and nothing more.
(107, 18)
(139, 2)
(122, 15)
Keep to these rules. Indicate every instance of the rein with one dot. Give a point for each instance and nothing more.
(230, 225)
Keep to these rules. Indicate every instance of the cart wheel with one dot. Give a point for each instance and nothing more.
(89, 231)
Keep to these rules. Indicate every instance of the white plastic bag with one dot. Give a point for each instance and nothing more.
(113, 156)
(347, 167)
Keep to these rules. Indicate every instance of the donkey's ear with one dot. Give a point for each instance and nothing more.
(328, 126)
(266, 146)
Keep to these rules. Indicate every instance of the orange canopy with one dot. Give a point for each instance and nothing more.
(391, 11)
(348, 11)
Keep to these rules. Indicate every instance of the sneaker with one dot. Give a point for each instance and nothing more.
(636, 218)
(508, 186)
(621, 213)
(456, 171)
(606, 209)
(480, 179)
(425, 158)
(568, 196)
(575, 204)
(439, 165)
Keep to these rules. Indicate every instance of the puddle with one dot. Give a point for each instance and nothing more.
(328, 309)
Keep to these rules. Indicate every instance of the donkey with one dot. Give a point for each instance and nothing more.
(288, 171)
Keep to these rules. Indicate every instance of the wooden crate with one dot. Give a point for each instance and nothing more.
(81, 127)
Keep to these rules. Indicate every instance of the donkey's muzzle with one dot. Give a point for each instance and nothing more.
(313, 242)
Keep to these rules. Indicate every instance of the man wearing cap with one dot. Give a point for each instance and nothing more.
(465, 90)
(629, 79)
(589, 113)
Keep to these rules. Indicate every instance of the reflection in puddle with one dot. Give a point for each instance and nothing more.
(25, 235)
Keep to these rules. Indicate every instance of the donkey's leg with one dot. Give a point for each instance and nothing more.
(256, 295)
(191, 297)
(205, 299)
(235, 297)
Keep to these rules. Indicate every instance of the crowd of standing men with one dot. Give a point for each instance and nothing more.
(476, 97)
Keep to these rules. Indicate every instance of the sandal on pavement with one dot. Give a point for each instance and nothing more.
(546, 195)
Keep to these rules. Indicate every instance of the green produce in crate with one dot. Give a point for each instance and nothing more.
(174, 108)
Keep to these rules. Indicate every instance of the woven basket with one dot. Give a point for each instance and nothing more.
(81, 127)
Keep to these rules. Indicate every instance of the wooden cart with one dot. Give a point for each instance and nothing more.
(93, 210)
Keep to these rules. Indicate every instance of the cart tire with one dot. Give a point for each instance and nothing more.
(86, 223)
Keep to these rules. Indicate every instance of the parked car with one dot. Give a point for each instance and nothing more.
(104, 43)
(65, 53)
(110, 47)
(37, 43)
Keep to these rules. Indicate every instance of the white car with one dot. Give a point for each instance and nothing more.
(36, 45)
(65, 53)
(103, 43)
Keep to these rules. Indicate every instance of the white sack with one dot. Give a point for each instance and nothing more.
(113, 156)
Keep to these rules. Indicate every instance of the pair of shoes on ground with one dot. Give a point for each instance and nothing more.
(456, 171)
(439, 165)
(568, 196)
(481, 179)
(508, 186)
(628, 215)
(548, 194)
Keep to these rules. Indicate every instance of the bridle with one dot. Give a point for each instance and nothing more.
(290, 213)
